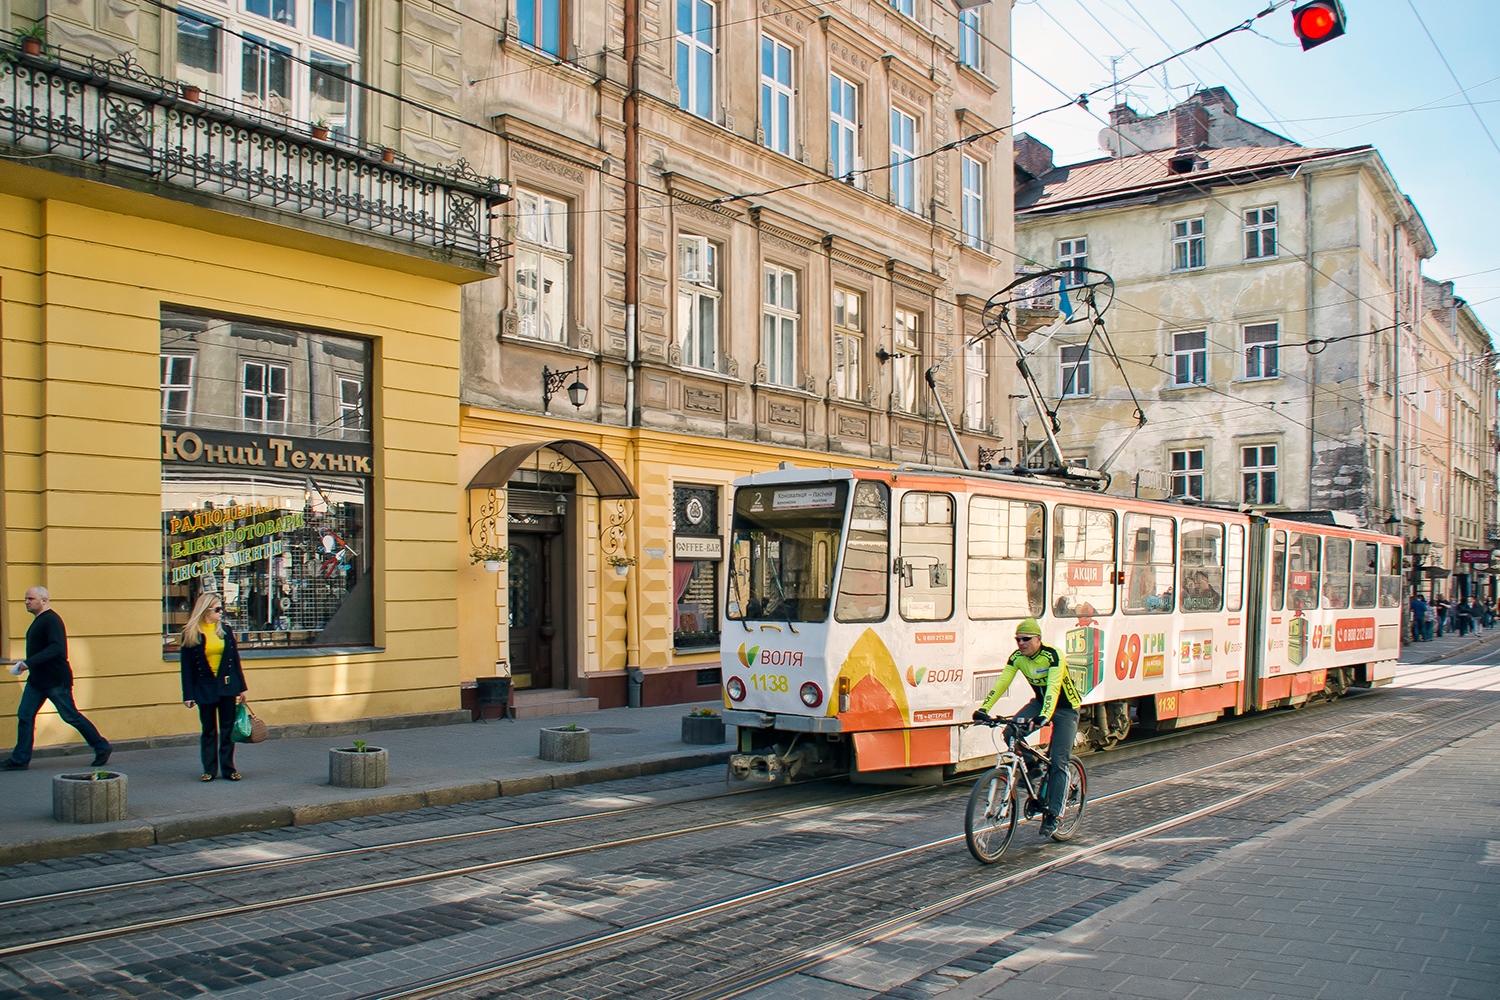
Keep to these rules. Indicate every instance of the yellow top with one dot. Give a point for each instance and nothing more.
(213, 646)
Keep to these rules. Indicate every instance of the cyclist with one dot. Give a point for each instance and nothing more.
(1056, 698)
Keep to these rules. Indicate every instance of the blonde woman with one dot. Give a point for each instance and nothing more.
(213, 681)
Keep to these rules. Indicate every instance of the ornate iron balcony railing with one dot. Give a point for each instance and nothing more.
(112, 114)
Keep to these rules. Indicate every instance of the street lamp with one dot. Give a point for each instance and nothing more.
(553, 383)
(1419, 548)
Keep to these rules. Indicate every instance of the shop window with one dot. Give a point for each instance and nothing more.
(1005, 558)
(1083, 561)
(864, 587)
(699, 549)
(1149, 555)
(266, 490)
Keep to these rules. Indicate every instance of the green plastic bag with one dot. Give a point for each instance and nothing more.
(241, 730)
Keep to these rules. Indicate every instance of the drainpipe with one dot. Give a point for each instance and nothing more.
(631, 116)
(1312, 359)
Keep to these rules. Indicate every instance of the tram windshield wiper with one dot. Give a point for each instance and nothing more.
(786, 610)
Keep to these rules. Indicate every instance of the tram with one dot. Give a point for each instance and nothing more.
(869, 612)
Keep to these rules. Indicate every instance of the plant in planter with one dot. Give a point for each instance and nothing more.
(565, 743)
(491, 555)
(703, 726)
(387, 155)
(190, 91)
(96, 796)
(33, 39)
(320, 128)
(359, 766)
(621, 563)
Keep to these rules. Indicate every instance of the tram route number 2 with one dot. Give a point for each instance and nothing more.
(769, 682)
(1132, 646)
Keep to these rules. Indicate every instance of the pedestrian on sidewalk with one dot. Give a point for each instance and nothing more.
(1489, 612)
(1440, 611)
(1464, 615)
(49, 678)
(213, 681)
(1418, 619)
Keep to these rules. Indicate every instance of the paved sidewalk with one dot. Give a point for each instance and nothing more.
(1449, 644)
(1390, 892)
(286, 780)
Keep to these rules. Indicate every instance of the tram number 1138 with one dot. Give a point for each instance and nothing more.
(769, 682)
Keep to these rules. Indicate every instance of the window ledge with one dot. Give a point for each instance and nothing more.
(1202, 386)
(513, 340)
(977, 76)
(294, 652)
(690, 372)
(1256, 381)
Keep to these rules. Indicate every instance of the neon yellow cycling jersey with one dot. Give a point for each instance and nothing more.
(1047, 675)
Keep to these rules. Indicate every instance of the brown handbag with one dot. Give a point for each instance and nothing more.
(258, 730)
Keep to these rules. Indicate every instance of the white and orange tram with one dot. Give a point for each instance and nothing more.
(869, 611)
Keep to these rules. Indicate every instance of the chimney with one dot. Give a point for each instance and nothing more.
(1032, 156)
(1219, 96)
(1123, 114)
(1191, 119)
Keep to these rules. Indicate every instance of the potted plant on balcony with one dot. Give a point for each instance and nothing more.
(190, 91)
(33, 39)
(387, 154)
(320, 128)
(491, 555)
(621, 564)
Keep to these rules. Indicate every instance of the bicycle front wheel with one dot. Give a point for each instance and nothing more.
(991, 818)
(1073, 802)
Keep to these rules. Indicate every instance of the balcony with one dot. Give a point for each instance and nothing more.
(120, 124)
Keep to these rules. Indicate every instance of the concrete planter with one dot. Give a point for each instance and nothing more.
(705, 730)
(352, 768)
(85, 798)
(565, 745)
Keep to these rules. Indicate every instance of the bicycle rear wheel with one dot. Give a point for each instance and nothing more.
(990, 821)
(1073, 802)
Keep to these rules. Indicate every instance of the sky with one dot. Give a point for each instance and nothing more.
(1385, 83)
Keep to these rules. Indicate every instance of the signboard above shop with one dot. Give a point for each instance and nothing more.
(699, 547)
(1473, 555)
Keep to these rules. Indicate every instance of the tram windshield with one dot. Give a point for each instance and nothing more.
(784, 550)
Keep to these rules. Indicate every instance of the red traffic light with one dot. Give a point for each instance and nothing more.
(1318, 22)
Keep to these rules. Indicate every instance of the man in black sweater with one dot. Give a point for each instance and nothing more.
(51, 679)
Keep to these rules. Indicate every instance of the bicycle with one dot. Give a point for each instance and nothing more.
(996, 803)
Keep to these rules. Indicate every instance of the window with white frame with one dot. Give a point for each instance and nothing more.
(263, 394)
(1073, 253)
(843, 127)
(695, 57)
(903, 160)
(1187, 473)
(973, 203)
(351, 404)
(1262, 346)
(905, 361)
(542, 264)
(848, 344)
(539, 23)
(779, 326)
(1260, 233)
(1075, 370)
(778, 99)
(176, 386)
(291, 59)
(907, 7)
(698, 297)
(976, 386)
(1187, 244)
(1190, 358)
(1258, 474)
(970, 39)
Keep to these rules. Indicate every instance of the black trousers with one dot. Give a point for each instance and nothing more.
(1059, 751)
(218, 728)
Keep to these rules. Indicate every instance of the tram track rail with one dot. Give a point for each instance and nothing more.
(457, 872)
(539, 959)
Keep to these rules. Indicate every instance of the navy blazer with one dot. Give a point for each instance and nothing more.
(198, 681)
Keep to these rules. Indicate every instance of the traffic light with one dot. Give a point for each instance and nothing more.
(1318, 22)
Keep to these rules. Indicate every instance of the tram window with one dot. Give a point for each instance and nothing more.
(1366, 572)
(1150, 553)
(1390, 576)
(1005, 558)
(784, 540)
(1202, 566)
(864, 588)
(1304, 564)
(926, 565)
(1336, 553)
(1083, 561)
(1234, 569)
(1278, 571)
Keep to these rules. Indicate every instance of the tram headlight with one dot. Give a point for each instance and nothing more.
(736, 689)
(812, 695)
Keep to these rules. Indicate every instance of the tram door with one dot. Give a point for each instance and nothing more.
(536, 609)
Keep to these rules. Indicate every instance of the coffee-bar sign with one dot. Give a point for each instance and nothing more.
(225, 449)
(699, 547)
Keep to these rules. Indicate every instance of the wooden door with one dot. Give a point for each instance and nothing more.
(534, 576)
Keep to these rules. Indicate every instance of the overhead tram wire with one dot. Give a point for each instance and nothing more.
(1449, 67)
